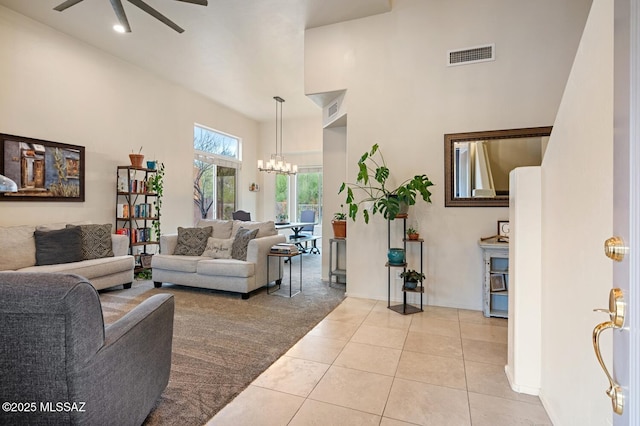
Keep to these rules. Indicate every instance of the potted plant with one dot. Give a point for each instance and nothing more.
(411, 278)
(412, 233)
(372, 182)
(339, 224)
(136, 159)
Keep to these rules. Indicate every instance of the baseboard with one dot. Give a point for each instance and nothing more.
(535, 391)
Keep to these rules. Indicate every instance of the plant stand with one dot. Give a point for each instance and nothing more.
(404, 308)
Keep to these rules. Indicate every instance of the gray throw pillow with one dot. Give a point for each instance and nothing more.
(96, 241)
(241, 241)
(59, 246)
(192, 241)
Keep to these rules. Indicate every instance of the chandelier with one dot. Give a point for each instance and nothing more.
(277, 163)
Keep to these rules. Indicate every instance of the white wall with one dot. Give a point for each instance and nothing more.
(577, 185)
(59, 89)
(404, 97)
(525, 252)
(334, 155)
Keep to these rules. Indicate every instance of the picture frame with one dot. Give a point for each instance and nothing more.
(497, 282)
(43, 170)
(503, 228)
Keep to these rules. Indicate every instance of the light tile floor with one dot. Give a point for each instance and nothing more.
(367, 365)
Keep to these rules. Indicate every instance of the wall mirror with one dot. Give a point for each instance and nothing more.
(477, 164)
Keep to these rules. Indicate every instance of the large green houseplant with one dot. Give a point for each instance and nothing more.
(371, 183)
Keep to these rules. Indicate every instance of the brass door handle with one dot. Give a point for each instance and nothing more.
(616, 313)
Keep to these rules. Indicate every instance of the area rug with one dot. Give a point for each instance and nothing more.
(221, 343)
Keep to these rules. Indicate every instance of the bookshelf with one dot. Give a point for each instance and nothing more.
(136, 212)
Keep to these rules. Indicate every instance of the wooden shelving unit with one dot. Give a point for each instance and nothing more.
(136, 211)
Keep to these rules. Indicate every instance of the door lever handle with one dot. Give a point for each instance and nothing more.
(616, 313)
(615, 391)
(616, 309)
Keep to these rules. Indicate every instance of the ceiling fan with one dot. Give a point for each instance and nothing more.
(122, 17)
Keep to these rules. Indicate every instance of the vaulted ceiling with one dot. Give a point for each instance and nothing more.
(240, 53)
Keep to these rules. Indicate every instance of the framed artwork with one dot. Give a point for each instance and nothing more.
(497, 282)
(503, 228)
(43, 170)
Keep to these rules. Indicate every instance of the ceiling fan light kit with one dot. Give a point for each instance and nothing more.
(122, 17)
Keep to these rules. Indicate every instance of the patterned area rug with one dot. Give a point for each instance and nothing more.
(221, 343)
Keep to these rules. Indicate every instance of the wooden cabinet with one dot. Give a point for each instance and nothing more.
(136, 211)
(495, 299)
(404, 308)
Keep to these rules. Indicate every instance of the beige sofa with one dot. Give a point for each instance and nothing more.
(18, 248)
(239, 276)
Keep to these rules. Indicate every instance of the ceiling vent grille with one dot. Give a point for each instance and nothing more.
(471, 55)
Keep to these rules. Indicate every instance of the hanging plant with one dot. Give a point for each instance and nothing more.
(156, 186)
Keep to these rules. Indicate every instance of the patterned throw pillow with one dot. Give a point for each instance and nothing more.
(218, 248)
(59, 246)
(241, 241)
(192, 241)
(96, 241)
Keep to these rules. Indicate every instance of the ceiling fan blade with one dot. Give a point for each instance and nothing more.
(159, 16)
(198, 2)
(122, 17)
(66, 4)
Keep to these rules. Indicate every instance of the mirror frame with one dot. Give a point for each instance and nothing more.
(451, 138)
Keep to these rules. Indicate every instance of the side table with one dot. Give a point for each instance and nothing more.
(336, 271)
(289, 257)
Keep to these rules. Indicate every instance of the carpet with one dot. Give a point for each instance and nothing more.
(221, 343)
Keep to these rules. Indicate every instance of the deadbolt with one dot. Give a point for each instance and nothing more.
(615, 249)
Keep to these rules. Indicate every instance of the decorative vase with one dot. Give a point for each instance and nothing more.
(151, 165)
(136, 160)
(339, 228)
(410, 284)
(396, 256)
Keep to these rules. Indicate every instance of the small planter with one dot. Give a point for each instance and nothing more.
(339, 228)
(136, 160)
(396, 256)
(413, 236)
(151, 165)
(411, 285)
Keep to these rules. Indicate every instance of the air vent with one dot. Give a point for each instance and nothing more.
(333, 109)
(472, 55)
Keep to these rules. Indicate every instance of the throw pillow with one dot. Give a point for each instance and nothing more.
(96, 241)
(218, 248)
(59, 246)
(192, 241)
(241, 241)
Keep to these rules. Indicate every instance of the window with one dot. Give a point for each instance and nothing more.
(309, 191)
(282, 198)
(215, 173)
(305, 189)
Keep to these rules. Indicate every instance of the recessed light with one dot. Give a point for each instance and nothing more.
(118, 28)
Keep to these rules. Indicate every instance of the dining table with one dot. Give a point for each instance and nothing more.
(295, 227)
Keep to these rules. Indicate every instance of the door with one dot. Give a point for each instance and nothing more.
(625, 250)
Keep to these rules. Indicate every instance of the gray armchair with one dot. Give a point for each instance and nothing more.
(56, 353)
